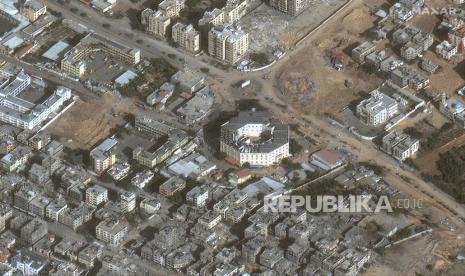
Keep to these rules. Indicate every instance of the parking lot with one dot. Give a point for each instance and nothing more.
(102, 68)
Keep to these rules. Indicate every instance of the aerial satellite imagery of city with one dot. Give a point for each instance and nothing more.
(232, 137)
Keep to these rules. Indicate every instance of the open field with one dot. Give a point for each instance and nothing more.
(87, 123)
(308, 78)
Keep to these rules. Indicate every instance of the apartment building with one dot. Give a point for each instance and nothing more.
(227, 43)
(172, 186)
(235, 10)
(111, 231)
(96, 195)
(390, 63)
(151, 126)
(401, 12)
(24, 196)
(446, 50)
(212, 18)
(457, 37)
(186, 36)
(38, 205)
(76, 217)
(361, 51)
(405, 76)
(155, 22)
(149, 205)
(55, 208)
(171, 8)
(128, 201)
(39, 140)
(290, 7)
(33, 9)
(16, 158)
(377, 109)
(5, 214)
(400, 145)
(34, 230)
(103, 156)
(198, 195)
(28, 263)
(410, 51)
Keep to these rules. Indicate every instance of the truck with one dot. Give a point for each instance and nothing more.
(245, 83)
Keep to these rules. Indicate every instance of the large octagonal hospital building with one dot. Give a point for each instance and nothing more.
(256, 138)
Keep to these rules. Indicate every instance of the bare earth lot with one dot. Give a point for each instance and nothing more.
(87, 123)
(310, 81)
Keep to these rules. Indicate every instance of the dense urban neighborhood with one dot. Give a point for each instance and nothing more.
(232, 137)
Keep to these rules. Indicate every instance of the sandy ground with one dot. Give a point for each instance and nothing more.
(87, 123)
(309, 80)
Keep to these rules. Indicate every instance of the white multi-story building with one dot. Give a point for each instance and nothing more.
(235, 10)
(227, 43)
(33, 9)
(96, 195)
(103, 156)
(55, 208)
(186, 36)
(446, 50)
(291, 7)
(229, 14)
(28, 262)
(171, 8)
(155, 22)
(400, 11)
(400, 146)
(209, 219)
(256, 138)
(213, 18)
(128, 201)
(150, 205)
(16, 158)
(111, 231)
(19, 112)
(198, 195)
(377, 109)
